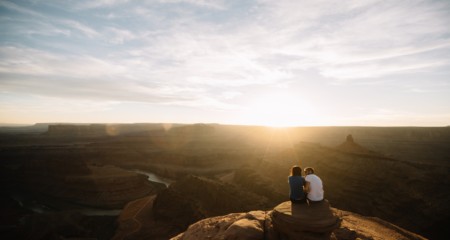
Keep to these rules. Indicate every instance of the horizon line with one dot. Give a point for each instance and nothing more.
(206, 123)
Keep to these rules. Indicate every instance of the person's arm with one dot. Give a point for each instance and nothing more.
(307, 187)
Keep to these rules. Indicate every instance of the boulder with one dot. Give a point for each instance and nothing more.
(299, 222)
(235, 226)
(305, 221)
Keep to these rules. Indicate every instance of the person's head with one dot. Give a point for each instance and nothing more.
(309, 170)
(296, 171)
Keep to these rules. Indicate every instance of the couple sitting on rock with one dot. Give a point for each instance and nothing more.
(303, 189)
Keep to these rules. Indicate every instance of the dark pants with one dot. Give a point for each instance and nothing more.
(312, 202)
(298, 201)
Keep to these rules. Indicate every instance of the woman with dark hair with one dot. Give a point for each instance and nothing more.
(296, 184)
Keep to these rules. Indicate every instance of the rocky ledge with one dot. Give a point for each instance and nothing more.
(305, 221)
(300, 222)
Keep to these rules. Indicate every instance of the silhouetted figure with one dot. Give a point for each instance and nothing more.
(296, 184)
(313, 186)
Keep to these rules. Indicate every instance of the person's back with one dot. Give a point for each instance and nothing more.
(296, 183)
(314, 186)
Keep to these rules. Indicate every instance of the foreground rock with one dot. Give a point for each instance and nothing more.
(251, 225)
(305, 221)
(285, 223)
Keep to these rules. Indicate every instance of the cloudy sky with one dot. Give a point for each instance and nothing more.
(259, 62)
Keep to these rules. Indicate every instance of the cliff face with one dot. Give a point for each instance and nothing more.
(224, 211)
(262, 225)
(190, 199)
(88, 185)
(255, 160)
(77, 130)
(101, 130)
(194, 198)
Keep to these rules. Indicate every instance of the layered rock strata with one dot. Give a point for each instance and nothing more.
(106, 187)
(305, 221)
(285, 223)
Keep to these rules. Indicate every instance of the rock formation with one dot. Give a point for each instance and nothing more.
(77, 130)
(350, 146)
(305, 221)
(188, 200)
(415, 173)
(193, 198)
(106, 187)
(102, 130)
(251, 226)
(283, 224)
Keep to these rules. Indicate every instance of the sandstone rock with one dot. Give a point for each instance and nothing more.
(258, 225)
(305, 221)
(194, 198)
(350, 146)
(284, 222)
(355, 226)
(245, 229)
(235, 226)
(349, 138)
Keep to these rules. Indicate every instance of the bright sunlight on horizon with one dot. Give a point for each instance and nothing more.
(274, 63)
(279, 109)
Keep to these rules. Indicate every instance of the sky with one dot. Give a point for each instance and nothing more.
(260, 62)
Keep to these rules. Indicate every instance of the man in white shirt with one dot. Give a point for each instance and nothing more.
(314, 186)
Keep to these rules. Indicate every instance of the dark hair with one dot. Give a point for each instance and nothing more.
(309, 169)
(296, 171)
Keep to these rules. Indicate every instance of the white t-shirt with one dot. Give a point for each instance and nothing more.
(315, 186)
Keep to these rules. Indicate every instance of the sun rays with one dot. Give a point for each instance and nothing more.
(278, 109)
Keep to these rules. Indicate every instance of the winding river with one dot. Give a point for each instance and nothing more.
(154, 178)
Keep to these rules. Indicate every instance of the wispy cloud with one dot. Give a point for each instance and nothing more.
(98, 3)
(352, 42)
(214, 4)
(119, 36)
(212, 53)
(33, 62)
(46, 25)
(86, 30)
(20, 9)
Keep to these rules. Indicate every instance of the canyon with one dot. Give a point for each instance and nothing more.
(398, 174)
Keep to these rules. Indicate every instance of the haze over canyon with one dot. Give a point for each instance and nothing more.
(153, 181)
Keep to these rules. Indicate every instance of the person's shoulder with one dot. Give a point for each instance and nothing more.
(315, 176)
(311, 176)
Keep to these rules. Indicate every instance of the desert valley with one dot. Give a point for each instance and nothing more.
(152, 181)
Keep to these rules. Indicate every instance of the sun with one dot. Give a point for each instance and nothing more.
(280, 109)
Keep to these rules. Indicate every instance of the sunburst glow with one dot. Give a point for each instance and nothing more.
(281, 109)
(227, 62)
